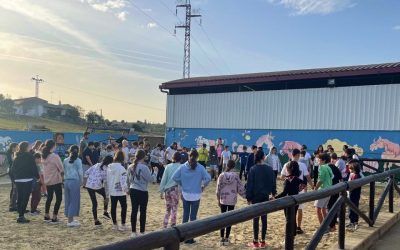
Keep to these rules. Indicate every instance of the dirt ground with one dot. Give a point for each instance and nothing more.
(39, 235)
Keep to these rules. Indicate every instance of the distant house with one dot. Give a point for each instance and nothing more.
(36, 107)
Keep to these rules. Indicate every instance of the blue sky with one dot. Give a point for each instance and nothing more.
(113, 54)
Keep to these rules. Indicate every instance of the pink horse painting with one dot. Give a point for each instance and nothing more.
(288, 146)
(391, 149)
(265, 139)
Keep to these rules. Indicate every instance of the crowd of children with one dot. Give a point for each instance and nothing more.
(115, 171)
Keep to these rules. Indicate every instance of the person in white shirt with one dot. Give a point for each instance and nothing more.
(273, 161)
(226, 155)
(305, 177)
(132, 151)
(170, 151)
(125, 149)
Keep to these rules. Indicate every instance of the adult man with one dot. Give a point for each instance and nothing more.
(305, 177)
(170, 151)
(83, 143)
(88, 158)
(203, 155)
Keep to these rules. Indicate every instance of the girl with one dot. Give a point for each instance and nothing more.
(36, 186)
(36, 147)
(117, 188)
(139, 176)
(10, 154)
(355, 173)
(52, 172)
(292, 185)
(228, 187)
(24, 171)
(319, 150)
(273, 161)
(73, 179)
(213, 157)
(193, 178)
(97, 183)
(169, 188)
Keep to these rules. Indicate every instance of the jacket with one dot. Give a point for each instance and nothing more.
(260, 183)
(167, 181)
(270, 162)
(291, 186)
(117, 180)
(73, 171)
(96, 178)
(24, 167)
(228, 187)
(191, 180)
(140, 178)
(52, 169)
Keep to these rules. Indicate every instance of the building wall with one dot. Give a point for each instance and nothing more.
(374, 107)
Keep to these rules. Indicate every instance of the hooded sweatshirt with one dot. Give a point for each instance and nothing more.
(24, 167)
(117, 179)
(52, 169)
(139, 177)
(228, 187)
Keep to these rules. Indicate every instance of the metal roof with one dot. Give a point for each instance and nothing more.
(346, 71)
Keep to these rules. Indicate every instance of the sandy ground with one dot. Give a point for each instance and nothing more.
(39, 235)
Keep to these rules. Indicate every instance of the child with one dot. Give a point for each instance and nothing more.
(37, 186)
(243, 156)
(213, 158)
(355, 173)
(139, 176)
(260, 185)
(97, 183)
(226, 155)
(117, 188)
(292, 184)
(273, 161)
(228, 187)
(324, 180)
(203, 155)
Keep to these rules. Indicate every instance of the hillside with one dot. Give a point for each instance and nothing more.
(11, 122)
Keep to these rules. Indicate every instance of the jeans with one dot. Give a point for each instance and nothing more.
(122, 202)
(190, 209)
(139, 199)
(24, 190)
(92, 195)
(225, 208)
(243, 172)
(57, 189)
(72, 197)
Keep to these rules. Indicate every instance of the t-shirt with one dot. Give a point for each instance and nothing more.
(89, 153)
(132, 152)
(303, 168)
(341, 165)
(126, 154)
(169, 152)
(226, 156)
(243, 158)
(325, 176)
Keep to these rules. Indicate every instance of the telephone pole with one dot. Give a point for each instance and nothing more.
(186, 26)
(37, 81)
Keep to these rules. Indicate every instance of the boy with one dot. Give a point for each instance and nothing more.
(325, 177)
(203, 155)
(226, 155)
(243, 156)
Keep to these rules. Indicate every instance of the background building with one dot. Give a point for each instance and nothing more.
(357, 105)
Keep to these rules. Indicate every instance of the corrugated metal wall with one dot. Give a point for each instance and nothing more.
(375, 107)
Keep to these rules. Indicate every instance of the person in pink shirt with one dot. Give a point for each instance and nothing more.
(53, 171)
(228, 187)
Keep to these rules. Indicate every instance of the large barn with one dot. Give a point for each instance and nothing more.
(355, 105)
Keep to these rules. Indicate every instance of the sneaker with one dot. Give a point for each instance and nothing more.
(115, 227)
(73, 224)
(222, 242)
(55, 222)
(254, 245)
(133, 235)
(122, 228)
(192, 241)
(97, 223)
(22, 220)
(35, 213)
(263, 245)
(107, 215)
(350, 225)
(47, 219)
(227, 242)
(299, 230)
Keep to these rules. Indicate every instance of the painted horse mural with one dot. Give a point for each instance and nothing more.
(265, 140)
(391, 149)
(288, 146)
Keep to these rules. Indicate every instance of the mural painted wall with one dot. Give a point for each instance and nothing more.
(368, 144)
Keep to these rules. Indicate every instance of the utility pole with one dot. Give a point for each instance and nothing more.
(37, 81)
(186, 26)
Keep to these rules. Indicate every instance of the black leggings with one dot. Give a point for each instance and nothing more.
(24, 190)
(243, 172)
(92, 195)
(139, 199)
(256, 224)
(225, 208)
(51, 189)
(315, 175)
(122, 202)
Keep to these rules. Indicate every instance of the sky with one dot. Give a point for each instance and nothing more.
(111, 55)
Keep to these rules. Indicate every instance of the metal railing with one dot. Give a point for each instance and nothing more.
(170, 238)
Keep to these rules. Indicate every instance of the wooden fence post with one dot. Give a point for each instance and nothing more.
(290, 227)
(372, 201)
(391, 195)
(342, 222)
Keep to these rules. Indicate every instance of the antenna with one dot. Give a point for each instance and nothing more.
(37, 81)
(186, 26)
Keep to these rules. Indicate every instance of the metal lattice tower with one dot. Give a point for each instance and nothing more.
(186, 26)
(37, 81)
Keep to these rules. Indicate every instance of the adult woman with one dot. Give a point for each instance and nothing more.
(97, 183)
(52, 172)
(10, 154)
(193, 178)
(169, 188)
(117, 188)
(24, 170)
(73, 179)
(273, 161)
(139, 176)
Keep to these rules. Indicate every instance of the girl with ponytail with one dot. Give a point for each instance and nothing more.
(139, 176)
(193, 178)
(53, 170)
(73, 179)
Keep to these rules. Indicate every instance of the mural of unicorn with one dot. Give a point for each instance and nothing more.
(4, 142)
(288, 146)
(391, 149)
(265, 140)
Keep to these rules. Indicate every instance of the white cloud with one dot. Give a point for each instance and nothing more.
(41, 14)
(152, 25)
(397, 27)
(122, 15)
(304, 7)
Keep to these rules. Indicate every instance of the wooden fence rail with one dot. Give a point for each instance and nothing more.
(170, 238)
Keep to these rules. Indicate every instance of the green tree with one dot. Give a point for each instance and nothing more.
(93, 118)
